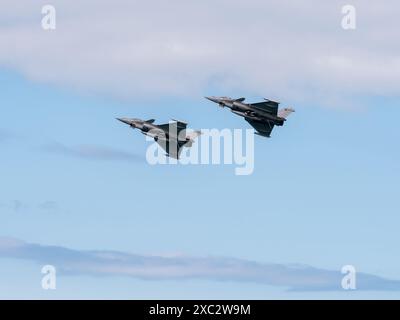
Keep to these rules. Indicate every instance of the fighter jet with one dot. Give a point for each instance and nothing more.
(262, 116)
(172, 137)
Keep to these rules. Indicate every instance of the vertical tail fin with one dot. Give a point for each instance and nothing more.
(284, 113)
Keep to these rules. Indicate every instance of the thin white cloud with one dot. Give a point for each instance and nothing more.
(112, 263)
(279, 48)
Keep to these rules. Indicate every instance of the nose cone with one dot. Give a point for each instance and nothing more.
(125, 120)
(213, 99)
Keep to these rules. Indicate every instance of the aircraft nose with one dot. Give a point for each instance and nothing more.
(124, 120)
(213, 99)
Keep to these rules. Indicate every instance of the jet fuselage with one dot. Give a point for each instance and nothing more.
(152, 130)
(245, 110)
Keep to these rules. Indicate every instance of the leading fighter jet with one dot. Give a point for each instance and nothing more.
(172, 137)
(262, 116)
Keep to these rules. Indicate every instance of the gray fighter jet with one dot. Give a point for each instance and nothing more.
(262, 116)
(172, 137)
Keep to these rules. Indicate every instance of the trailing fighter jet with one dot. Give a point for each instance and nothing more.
(262, 116)
(172, 137)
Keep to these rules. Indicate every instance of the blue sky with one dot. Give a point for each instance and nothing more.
(323, 192)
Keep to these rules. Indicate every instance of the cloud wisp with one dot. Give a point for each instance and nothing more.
(92, 152)
(19, 206)
(147, 267)
(4, 135)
